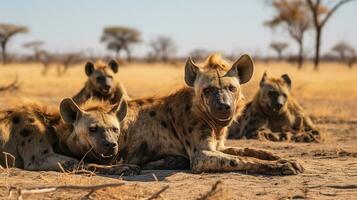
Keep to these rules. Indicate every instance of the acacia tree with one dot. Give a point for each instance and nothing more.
(321, 13)
(120, 38)
(292, 16)
(7, 31)
(346, 53)
(35, 47)
(163, 48)
(279, 47)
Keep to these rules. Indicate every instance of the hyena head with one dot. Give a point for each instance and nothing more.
(101, 76)
(96, 126)
(217, 85)
(274, 93)
(31, 120)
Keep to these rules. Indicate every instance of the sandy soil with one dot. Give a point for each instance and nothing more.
(331, 173)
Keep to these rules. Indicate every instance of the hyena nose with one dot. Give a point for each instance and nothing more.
(279, 105)
(109, 145)
(224, 107)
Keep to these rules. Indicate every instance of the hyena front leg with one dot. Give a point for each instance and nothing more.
(256, 128)
(215, 161)
(58, 162)
(255, 153)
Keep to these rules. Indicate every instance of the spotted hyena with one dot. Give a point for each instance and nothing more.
(39, 140)
(100, 83)
(191, 123)
(274, 115)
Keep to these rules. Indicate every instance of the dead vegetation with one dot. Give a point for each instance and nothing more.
(13, 86)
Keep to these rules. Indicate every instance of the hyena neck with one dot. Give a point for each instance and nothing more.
(259, 108)
(67, 140)
(92, 91)
(203, 117)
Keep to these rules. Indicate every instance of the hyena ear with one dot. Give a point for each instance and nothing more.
(287, 80)
(121, 109)
(114, 66)
(191, 72)
(243, 68)
(69, 111)
(89, 68)
(264, 78)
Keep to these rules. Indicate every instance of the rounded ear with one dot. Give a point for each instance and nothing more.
(121, 109)
(287, 80)
(264, 78)
(89, 68)
(191, 72)
(243, 68)
(69, 111)
(114, 66)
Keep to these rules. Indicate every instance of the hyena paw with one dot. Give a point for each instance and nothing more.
(289, 167)
(125, 170)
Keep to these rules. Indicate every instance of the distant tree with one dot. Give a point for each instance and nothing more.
(120, 38)
(279, 47)
(35, 46)
(321, 13)
(162, 48)
(6, 32)
(346, 53)
(293, 16)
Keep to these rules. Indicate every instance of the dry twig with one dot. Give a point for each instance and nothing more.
(158, 193)
(210, 193)
(42, 190)
(14, 85)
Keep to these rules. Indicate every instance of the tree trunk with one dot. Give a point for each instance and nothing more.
(128, 54)
(117, 51)
(3, 52)
(317, 48)
(301, 55)
(280, 56)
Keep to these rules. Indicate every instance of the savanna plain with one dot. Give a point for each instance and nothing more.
(329, 96)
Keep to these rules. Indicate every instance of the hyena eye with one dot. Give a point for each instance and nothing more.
(232, 88)
(206, 90)
(284, 95)
(115, 130)
(93, 129)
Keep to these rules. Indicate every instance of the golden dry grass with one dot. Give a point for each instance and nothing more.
(330, 92)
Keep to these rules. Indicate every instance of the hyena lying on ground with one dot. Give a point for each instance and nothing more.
(191, 123)
(274, 115)
(40, 140)
(100, 83)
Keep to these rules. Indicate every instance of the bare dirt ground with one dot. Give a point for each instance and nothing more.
(330, 166)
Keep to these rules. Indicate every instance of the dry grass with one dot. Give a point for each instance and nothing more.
(330, 92)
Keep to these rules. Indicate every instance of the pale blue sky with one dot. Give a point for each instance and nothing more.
(226, 25)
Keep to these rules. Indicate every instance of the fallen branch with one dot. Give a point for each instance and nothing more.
(11, 87)
(42, 190)
(158, 193)
(350, 186)
(211, 192)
